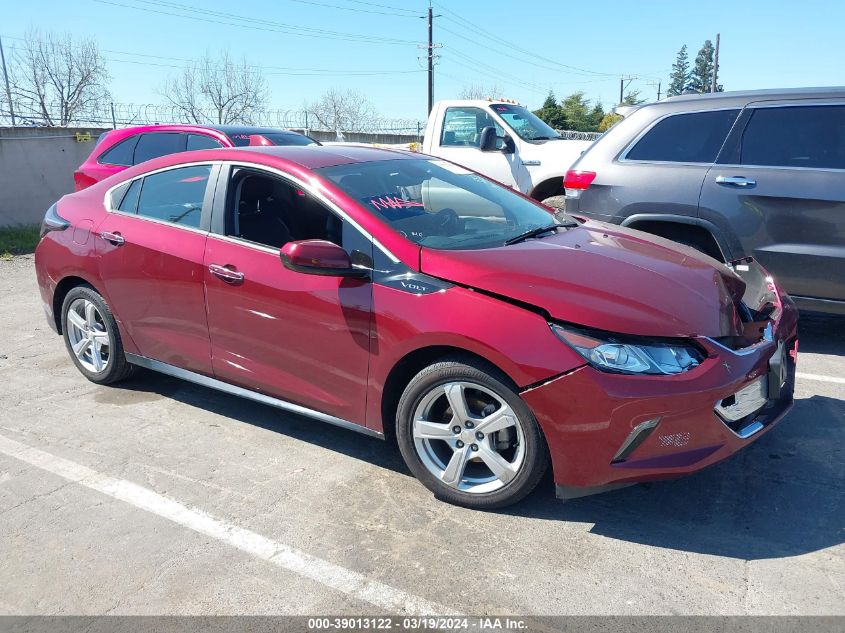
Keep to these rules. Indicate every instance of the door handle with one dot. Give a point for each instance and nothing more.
(113, 238)
(735, 181)
(226, 274)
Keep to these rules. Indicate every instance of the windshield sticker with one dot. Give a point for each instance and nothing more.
(455, 169)
(388, 201)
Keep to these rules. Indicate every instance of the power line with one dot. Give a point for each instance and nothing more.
(282, 70)
(355, 9)
(383, 6)
(230, 19)
(467, 24)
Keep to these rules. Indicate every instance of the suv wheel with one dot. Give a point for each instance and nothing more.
(468, 436)
(92, 338)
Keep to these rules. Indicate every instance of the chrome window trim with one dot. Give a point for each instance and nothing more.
(623, 155)
(233, 239)
(219, 385)
(107, 196)
(835, 170)
(314, 191)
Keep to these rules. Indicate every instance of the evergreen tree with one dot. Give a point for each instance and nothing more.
(632, 98)
(576, 111)
(679, 79)
(551, 112)
(701, 77)
(596, 117)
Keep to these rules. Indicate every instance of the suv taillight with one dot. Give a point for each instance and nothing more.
(579, 180)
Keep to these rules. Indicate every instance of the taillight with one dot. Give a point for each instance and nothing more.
(580, 180)
(53, 222)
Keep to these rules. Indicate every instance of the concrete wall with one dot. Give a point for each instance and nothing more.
(37, 165)
(36, 169)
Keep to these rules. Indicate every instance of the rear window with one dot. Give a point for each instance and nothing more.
(241, 139)
(800, 136)
(685, 138)
(120, 154)
(202, 141)
(158, 144)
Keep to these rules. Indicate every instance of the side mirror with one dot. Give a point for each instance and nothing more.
(487, 139)
(319, 257)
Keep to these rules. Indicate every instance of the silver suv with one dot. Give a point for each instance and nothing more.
(733, 174)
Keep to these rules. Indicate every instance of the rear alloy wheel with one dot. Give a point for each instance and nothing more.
(92, 338)
(469, 437)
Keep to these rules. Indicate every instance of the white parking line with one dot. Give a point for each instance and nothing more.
(344, 580)
(820, 378)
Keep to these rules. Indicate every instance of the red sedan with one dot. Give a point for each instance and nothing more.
(403, 296)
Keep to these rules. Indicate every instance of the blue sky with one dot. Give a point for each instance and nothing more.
(525, 48)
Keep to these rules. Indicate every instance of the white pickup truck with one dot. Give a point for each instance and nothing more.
(504, 141)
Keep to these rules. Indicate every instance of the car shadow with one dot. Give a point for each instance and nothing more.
(821, 334)
(784, 495)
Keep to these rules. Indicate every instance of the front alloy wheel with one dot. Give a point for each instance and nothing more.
(468, 436)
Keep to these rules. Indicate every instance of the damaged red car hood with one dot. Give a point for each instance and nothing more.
(604, 277)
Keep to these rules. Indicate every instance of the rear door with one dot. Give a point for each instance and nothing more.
(155, 144)
(780, 184)
(662, 170)
(150, 250)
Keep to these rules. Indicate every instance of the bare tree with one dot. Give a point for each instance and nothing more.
(343, 111)
(57, 79)
(481, 91)
(218, 91)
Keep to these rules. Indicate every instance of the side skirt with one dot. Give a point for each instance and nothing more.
(219, 385)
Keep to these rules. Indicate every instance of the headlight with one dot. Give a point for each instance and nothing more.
(630, 355)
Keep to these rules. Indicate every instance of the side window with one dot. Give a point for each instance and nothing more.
(158, 144)
(685, 138)
(120, 154)
(202, 141)
(462, 127)
(271, 211)
(175, 195)
(129, 204)
(799, 136)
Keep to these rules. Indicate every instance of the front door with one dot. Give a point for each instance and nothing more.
(459, 141)
(299, 337)
(150, 252)
(782, 191)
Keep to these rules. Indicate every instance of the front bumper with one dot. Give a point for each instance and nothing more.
(607, 430)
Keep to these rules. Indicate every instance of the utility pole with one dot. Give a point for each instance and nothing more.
(623, 85)
(6, 79)
(430, 54)
(716, 65)
(430, 58)
(659, 85)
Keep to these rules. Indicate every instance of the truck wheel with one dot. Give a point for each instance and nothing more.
(556, 202)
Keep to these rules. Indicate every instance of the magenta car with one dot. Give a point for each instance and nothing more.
(118, 149)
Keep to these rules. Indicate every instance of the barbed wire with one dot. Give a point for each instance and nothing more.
(126, 114)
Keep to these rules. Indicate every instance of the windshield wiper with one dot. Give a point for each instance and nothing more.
(538, 231)
(547, 138)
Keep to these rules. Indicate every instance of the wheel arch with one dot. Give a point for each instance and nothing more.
(547, 188)
(65, 285)
(673, 226)
(410, 365)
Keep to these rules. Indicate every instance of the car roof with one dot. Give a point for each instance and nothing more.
(316, 156)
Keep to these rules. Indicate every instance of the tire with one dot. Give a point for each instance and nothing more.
(495, 427)
(556, 202)
(88, 325)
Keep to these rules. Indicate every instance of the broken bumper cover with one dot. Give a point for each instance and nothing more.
(608, 430)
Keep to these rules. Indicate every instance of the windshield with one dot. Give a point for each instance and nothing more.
(524, 122)
(439, 205)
